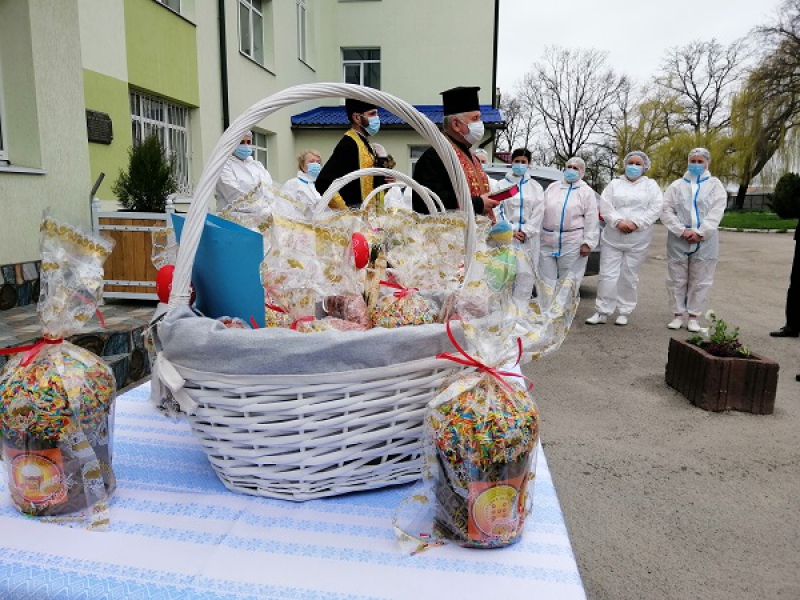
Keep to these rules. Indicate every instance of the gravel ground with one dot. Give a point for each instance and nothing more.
(664, 500)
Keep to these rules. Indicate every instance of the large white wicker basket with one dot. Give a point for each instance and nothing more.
(307, 436)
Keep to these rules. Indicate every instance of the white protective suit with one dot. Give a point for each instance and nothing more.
(622, 254)
(570, 220)
(239, 178)
(398, 196)
(696, 205)
(306, 201)
(524, 211)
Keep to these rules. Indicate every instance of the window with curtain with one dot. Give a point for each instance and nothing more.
(251, 29)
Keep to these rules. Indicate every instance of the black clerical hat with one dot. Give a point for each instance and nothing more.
(357, 106)
(459, 100)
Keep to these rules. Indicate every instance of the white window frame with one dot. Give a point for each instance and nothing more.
(302, 30)
(170, 121)
(253, 15)
(170, 4)
(360, 63)
(261, 148)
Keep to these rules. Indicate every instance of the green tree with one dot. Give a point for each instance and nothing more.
(786, 199)
(148, 181)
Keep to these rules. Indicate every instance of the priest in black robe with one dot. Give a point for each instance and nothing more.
(463, 127)
(353, 152)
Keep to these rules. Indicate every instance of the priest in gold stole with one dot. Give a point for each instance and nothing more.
(353, 152)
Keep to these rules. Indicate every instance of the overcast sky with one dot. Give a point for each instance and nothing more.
(635, 34)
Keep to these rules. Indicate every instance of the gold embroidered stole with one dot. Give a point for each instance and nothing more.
(366, 160)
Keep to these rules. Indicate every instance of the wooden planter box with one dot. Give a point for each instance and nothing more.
(716, 384)
(129, 271)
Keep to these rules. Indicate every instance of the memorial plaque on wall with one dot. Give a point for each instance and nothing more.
(98, 127)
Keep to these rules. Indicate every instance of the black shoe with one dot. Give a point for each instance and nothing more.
(797, 377)
(785, 332)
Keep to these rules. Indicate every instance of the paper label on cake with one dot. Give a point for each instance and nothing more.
(38, 476)
(496, 509)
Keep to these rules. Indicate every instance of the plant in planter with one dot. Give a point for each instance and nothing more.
(721, 341)
(147, 183)
(142, 189)
(717, 372)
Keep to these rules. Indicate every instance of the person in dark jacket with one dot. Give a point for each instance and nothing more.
(463, 127)
(353, 152)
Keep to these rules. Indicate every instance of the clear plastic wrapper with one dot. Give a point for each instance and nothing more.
(307, 261)
(481, 430)
(56, 399)
(399, 306)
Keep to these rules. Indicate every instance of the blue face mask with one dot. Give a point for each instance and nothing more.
(519, 169)
(633, 171)
(571, 175)
(696, 170)
(243, 151)
(313, 169)
(374, 125)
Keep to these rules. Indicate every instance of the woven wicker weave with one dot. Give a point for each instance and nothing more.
(309, 436)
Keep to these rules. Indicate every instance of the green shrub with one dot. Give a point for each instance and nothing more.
(786, 198)
(144, 187)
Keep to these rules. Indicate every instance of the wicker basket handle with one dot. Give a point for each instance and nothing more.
(426, 195)
(195, 219)
(381, 188)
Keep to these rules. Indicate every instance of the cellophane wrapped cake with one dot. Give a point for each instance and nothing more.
(56, 399)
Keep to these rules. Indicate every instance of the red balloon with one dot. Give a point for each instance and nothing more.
(361, 250)
(164, 284)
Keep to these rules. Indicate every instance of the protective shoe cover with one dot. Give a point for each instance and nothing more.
(676, 323)
(596, 319)
(621, 320)
(693, 326)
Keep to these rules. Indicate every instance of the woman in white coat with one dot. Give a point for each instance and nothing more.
(242, 176)
(524, 211)
(570, 225)
(693, 208)
(629, 206)
(305, 199)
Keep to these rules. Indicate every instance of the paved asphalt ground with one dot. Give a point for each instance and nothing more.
(664, 500)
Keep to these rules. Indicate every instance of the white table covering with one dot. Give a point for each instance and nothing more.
(177, 533)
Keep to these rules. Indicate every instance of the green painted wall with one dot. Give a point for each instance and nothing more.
(162, 51)
(108, 95)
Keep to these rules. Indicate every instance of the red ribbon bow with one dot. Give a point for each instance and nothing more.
(31, 350)
(470, 361)
(296, 322)
(401, 292)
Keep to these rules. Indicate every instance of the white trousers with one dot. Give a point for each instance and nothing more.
(559, 267)
(618, 280)
(689, 284)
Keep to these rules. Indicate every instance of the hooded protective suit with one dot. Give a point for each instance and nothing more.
(622, 254)
(307, 200)
(239, 178)
(524, 211)
(697, 204)
(570, 220)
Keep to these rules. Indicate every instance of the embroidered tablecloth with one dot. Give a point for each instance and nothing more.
(177, 533)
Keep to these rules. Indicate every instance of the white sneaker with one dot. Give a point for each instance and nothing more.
(693, 326)
(596, 319)
(621, 320)
(676, 323)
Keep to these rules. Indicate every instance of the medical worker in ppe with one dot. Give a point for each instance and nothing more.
(570, 226)
(524, 211)
(243, 175)
(629, 206)
(693, 208)
(301, 196)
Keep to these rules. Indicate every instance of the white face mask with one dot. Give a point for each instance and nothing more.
(475, 133)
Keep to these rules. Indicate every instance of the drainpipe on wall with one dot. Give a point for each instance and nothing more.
(494, 52)
(223, 65)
